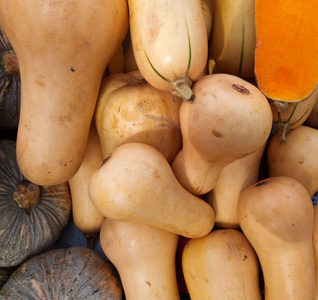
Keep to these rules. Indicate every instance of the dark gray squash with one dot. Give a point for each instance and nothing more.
(73, 273)
(31, 217)
(10, 85)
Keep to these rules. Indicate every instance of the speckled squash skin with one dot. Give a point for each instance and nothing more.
(72, 273)
(10, 90)
(25, 232)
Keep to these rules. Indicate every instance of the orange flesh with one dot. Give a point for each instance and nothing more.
(286, 57)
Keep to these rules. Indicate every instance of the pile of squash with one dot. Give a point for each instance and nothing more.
(183, 134)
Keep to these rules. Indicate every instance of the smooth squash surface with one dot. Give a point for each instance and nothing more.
(63, 49)
(286, 55)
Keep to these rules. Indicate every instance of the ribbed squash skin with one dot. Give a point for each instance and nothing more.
(74, 273)
(10, 87)
(27, 232)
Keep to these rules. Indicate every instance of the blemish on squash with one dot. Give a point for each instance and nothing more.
(217, 133)
(245, 257)
(241, 89)
(263, 182)
(72, 69)
(300, 162)
(148, 283)
(105, 160)
(40, 83)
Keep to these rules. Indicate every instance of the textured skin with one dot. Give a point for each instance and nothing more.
(72, 273)
(25, 233)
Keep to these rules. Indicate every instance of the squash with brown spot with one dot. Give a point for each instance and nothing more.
(61, 64)
(32, 217)
(74, 273)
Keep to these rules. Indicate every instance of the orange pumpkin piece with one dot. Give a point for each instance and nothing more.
(286, 57)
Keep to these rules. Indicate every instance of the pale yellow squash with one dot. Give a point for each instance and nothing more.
(233, 37)
(170, 43)
(296, 157)
(229, 119)
(63, 48)
(129, 109)
(221, 265)
(144, 257)
(136, 183)
(277, 217)
(233, 179)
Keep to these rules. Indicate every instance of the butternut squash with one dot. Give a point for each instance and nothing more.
(296, 157)
(233, 179)
(312, 119)
(129, 109)
(136, 183)
(63, 49)
(227, 111)
(144, 257)
(233, 40)
(169, 42)
(277, 217)
(286, 27)
(86, 217)
(294, 115)
(315, 241)
(221, 265)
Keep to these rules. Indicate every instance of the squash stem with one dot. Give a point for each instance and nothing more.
(26, 194)
(90, 238)
(181, 87)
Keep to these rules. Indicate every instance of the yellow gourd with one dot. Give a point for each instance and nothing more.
(229, 119)
(129, 109)
(221, 265)
(86, 217)
(62, 48)
(144, 257)
(277, 217)
(136, 183)
(170, 43)
(296, 157)
(233, 179)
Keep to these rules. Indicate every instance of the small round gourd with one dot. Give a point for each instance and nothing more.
(10, 90)
(72, 273)
(32, 217)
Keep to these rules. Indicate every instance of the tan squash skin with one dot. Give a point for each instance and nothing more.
(233, 39)
(221, 265)
(233, 179)
(131, 110)
(291, 116)
(170, 43)
(63, 48)
(315, 241)
(136, 184)
(277, 217)
(144, 257)
(86, 217)
(296, 158)
(229, 119)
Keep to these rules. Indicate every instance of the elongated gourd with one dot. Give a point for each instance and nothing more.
(233, 40)
(277, 216)
(234, 178)
(144, 257)
(294, 115)
(286, 27)
(221, 265)
(315, 241)
(136, 183)
(169, 42)
(63, 48)
(86, 217)
(296, 157)
(227, 111)
(129, 109)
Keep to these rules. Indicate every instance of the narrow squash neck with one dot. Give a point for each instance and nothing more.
(26, 194)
